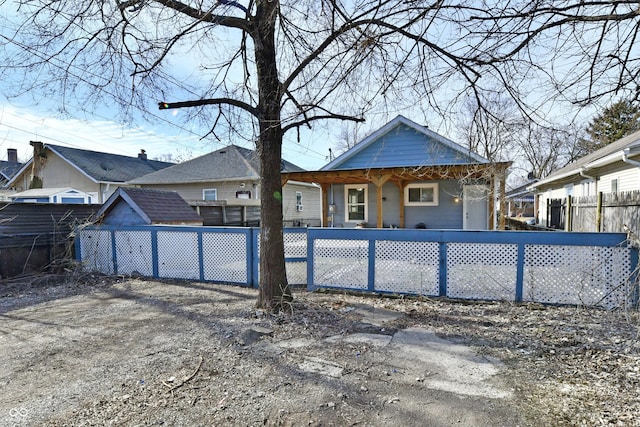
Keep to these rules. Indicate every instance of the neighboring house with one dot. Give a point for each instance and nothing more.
(95, 173)
(8, 170)
(521, 202)
(614, 168)
(224, 187)
(144, 206)
(405, 175)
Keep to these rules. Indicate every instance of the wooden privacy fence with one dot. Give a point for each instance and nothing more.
(608, 212)
(594, 269)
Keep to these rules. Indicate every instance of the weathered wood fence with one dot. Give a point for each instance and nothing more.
(604, 212)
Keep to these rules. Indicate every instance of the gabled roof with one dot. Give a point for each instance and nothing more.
(154, 206)
(228, 163)
(103, 167)
(609, 154)
(420, 147)
(8, 170)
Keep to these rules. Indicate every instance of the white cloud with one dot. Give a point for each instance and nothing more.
(18, 126)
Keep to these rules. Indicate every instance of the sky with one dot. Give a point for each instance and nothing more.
(21, 124)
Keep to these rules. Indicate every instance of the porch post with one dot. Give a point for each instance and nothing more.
(401, 184)
(325, 188)
(379, 181)
(503, 208)
(492, 202)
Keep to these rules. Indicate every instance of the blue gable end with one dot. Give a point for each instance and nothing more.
(404, 146)
(403, 143)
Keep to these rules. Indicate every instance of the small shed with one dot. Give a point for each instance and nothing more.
(144, 206)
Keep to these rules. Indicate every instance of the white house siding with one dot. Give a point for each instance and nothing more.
(311, 203)
(628, 179)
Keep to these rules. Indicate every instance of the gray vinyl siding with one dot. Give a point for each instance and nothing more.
(311, 202)
(447, 215)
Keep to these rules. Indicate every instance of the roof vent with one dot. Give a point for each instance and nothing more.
(142, 155)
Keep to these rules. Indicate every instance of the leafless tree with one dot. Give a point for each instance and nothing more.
(262, 68)
(489, 127)
(545, 149)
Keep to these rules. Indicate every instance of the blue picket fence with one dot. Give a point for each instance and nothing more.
(594, 269)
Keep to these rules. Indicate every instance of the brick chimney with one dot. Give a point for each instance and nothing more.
(142, 155)
(12, 155)
(39, 157)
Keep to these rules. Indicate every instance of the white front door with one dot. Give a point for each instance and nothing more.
(475, 213)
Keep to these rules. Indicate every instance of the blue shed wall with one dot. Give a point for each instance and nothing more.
(123, 214)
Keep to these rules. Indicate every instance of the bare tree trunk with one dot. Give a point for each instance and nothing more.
(274, 288)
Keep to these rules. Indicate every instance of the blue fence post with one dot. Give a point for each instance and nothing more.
(371, 273)
(442, 276)
(253, 253)
(114, 251)
(200, 255)
(154, 253)
(520, 273)
(310, 239)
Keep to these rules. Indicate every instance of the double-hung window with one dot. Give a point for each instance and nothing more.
(356, 203)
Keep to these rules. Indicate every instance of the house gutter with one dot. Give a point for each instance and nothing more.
(584, 175)
(626, 159)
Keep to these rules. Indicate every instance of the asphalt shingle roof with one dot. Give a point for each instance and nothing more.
(106, 167)
(159, 206)
(8, 169)
(227, 163)
(614, 147)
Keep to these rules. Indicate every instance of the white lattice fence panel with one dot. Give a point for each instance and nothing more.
(482, 271)
(225, 257)
(586, 275)
(407, 267)
(95, 250)
(295, 245)
(178, 255)
(133, 252)
(341, 263)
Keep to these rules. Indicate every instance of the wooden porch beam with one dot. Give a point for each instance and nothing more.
(325, 188)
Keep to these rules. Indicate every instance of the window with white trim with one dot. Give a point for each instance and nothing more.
(421, 195)
(356, 203)
(209, 194)
(299, 201)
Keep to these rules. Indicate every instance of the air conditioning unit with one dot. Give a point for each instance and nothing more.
(299, 208)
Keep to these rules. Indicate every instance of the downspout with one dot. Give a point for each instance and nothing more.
(599, 204)
(628, 160)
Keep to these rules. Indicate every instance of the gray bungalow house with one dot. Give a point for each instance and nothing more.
(405, 175)
(224, 188)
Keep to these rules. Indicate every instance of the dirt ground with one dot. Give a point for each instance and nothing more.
(97, 351)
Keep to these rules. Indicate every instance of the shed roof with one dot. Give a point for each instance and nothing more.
(155, 206)
(228, 163)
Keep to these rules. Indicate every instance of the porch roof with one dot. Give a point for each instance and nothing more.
(398, 174)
